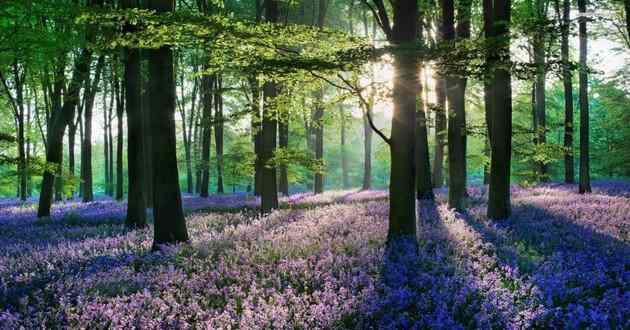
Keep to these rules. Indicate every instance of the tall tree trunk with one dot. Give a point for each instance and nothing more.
(146, 129)
(367, 150)
(626, 4)
(585, 179)
(318, 129)
(218, 131)
(257, 134)
(56, 128)
(269, 189)
(120, 109)
(86, 150)
(136, 206)
(402, 185)
(344, 154)
(424, 187)
(206, 129)
(169, 223)
(501, 117)
(569, 172)
(440, 131)
(283, 142)
(540, 104)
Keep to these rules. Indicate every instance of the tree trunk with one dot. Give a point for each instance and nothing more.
(626, 4)
(367, 150)
(540, 105)
(120, 109)
(501, 116)
(206, 129)
(283, 141)
(147, 138)
(402, 201)
(257, 134)
(105, 141)
(569, 172)
(344, 155)
(169, 222)
(55, 131)
(136, 206)
(424, 188)
(318, 129)
(440, 132)
(585, 179)
(218, 131)
(269, 189)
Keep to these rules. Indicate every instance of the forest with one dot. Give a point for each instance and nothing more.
(322, 164)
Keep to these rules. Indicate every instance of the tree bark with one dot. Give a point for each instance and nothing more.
(626, 4)
(318, 129)
(440, 132)
(402, 201)
(283, 141)
(169, 223)
(567, 79)
(257, 134)
(218, 131)
(367, 150)
(585, 179)
(501, 116)
(206, 129)
(136, 206)
(269, 189)
(424, 187)
(120, 109)
(344, 155)
(540, 104)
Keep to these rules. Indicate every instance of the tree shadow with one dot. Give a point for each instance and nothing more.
(579, 277)
(423, 285)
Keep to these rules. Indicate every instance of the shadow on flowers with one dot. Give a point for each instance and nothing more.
(575, 276)
(423, 285)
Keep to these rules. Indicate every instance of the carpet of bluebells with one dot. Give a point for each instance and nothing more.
(561, 261)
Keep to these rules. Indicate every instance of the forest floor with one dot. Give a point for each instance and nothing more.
(561, 261)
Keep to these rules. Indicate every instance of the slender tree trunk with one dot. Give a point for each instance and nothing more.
(585, 179)
(169, 224)
(318, 129)
(257, 134)
(218, 131)
(367, 151)
(540, 105)
(136, 206)
(206, 128)
(501, 117)
(569, 172)
(626, 4)
(120, 109)
(283, 141)
(424, 187)
(344, 154)
(440, 132)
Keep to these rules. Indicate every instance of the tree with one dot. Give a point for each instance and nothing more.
(456, 95)
(540, 112)
(585, 179)
(567, 79)
(136, 206)
(218, 130)
(344, 154)
(402, 186)
(499, 12)
(86, 149)
(169, 223)
(269, 187)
